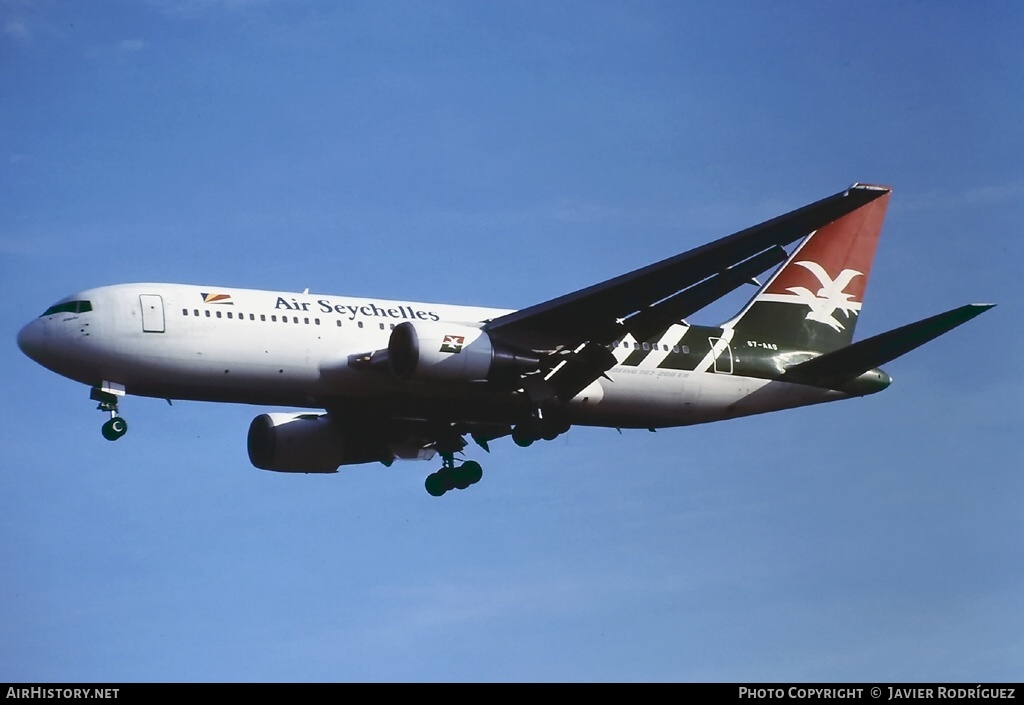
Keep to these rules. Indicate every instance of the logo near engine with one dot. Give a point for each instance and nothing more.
(452, 343)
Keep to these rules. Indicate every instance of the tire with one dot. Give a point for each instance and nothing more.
(114, 428)
(472, 471)
(435, 485)
(118, 426)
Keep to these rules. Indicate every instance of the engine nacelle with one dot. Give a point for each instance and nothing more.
(453, 352)
(310, 443)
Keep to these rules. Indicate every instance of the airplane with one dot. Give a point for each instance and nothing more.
(377, 380)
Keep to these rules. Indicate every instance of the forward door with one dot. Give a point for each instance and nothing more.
(152, 313)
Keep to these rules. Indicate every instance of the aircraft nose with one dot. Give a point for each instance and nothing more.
(32, 339)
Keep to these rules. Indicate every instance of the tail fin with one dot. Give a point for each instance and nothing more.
(813, 300)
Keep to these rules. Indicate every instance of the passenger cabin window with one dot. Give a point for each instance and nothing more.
(69, 307)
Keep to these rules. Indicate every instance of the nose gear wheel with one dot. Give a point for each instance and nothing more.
(116, 426)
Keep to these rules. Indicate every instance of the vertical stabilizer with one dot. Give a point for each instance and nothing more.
(814, 299)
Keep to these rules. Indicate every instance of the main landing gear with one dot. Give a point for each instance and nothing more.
(536, 427)
(452, 477)
(116, 426)
(539, 427)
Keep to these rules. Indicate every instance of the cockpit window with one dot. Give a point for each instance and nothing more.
(69, 307)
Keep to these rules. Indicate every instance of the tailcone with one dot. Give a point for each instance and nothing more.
(869, 382)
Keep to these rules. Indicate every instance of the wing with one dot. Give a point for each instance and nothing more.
(571, 319)
(580, 325)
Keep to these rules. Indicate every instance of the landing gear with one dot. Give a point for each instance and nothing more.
(539, 427)
(452, 477)
(116, 426)
(523, 435)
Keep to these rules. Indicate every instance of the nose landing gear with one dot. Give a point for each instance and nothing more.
(116, 426)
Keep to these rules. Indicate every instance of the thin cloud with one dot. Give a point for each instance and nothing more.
(995, 194)
(190, 9)
(566, 211)
(981, 195)
(18, 31)
(132, 45)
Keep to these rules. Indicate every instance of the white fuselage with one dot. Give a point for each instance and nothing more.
(270, 348)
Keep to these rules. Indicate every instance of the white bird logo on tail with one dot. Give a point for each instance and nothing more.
(829, 297)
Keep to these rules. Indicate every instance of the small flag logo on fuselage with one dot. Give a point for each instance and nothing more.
(216, 298)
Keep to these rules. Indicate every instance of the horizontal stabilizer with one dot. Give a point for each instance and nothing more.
(834, 369)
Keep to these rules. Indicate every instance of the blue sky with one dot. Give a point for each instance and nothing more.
(501, 154)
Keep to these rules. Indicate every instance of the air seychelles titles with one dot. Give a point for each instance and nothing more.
(407, 313)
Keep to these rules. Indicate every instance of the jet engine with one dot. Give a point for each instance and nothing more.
(453, 352)
(311, 443)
